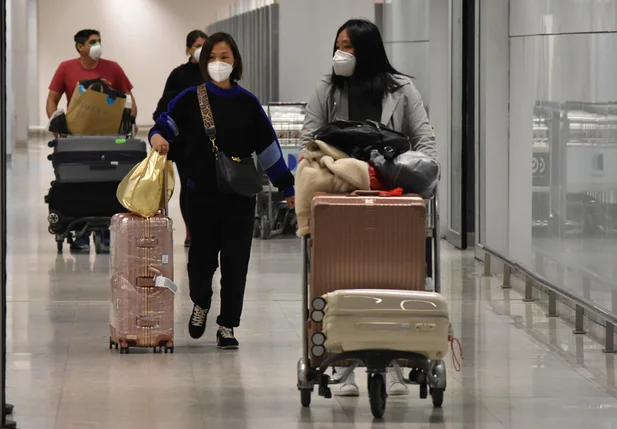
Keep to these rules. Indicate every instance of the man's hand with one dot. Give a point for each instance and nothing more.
(291, 202)
(159, 144)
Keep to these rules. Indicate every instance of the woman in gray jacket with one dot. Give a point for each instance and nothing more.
(364, 86)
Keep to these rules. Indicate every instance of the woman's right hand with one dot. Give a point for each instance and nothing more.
(159, 144)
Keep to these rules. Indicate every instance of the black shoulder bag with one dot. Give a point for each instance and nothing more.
(236, 176)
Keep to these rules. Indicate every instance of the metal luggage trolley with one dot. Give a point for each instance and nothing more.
(429, 375)
(63, 228)
(272, 216)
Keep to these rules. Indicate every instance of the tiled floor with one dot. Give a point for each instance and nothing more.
(521, 370)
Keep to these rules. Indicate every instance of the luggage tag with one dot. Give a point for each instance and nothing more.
(160, 281)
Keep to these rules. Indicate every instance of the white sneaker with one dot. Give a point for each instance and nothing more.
(396, 386)
(349, 388)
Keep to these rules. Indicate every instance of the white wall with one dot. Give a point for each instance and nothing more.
(307, 32)
(146, 37)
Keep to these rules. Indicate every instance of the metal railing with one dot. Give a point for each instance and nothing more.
(581, 305)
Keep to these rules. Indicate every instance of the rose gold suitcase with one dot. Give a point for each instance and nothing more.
(142, 315)
(366, 242)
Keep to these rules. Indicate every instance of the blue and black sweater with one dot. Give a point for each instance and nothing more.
(242, 127)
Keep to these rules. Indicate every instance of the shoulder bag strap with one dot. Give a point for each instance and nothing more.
(206, 115)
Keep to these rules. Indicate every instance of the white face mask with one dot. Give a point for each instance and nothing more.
(197, 54)
(96, 51)
(220, 71)
(344, 64)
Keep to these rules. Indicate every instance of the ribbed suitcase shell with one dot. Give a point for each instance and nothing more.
(366, 242)
(365, 319)
(360, 242)
(141, 315)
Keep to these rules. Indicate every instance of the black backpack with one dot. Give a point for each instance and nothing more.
(359, 139)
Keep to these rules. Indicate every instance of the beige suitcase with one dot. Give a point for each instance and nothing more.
(372, 319)
(142, 312)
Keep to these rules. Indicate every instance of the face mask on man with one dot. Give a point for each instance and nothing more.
(197, 54)
(96, 51)
(220, 71)
(344, 64)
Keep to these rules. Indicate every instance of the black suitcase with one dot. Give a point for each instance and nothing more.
(95, 159)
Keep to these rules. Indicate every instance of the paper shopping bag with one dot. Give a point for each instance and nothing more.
(141, 191)
(95, 109)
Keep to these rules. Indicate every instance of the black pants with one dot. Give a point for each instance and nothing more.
(183, 193)
(220, 225)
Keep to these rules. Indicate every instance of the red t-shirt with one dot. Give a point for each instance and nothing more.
(71, 72)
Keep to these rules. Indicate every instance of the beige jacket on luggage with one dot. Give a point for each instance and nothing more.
(324, 168)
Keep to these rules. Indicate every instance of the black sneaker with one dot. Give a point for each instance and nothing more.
(225, 338)
(197, 324)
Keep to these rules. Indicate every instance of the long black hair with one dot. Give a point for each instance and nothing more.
(373, 69)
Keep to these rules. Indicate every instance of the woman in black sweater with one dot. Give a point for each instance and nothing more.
(220, 223)
(185, 76)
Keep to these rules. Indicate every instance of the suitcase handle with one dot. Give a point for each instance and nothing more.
(145, 282)
(147, 242)
(365, 194)
(103, 167)
(146, 321)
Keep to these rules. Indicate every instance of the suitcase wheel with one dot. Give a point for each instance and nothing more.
(112, 344)
(124, 348)
(169, 348)
(377, 395)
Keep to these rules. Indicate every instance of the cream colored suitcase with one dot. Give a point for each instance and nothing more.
(374, 319)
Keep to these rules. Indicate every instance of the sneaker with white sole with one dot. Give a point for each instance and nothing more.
(197, 323)
(349, 388)
(396, 386)
(226, 339)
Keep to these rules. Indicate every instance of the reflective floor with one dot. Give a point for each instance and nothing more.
(520, 369)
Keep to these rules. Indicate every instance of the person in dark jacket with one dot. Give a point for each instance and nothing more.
(220, 223)
(182, 77)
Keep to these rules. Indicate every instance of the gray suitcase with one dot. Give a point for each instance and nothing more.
(95, 159)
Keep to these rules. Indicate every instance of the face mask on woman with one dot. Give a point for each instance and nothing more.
(96, 51)
(219, 71)
(344, 64)
(197, 54)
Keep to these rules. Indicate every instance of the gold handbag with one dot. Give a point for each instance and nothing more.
(141, 191)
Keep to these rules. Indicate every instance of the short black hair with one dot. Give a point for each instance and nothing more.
(192, 37)
(204, 59)
(82, 36)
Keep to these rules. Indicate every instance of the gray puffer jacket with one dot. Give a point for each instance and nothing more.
(402, 111)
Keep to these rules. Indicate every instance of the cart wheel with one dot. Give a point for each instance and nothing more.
(305, 397)
(377, 395)
(266, 232)
(437, 395)
(257, 229)
(98, 242)
(423, 391)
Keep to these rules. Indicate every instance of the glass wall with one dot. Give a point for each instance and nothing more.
(561, 140)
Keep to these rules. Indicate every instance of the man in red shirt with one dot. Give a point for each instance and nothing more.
(89, 65)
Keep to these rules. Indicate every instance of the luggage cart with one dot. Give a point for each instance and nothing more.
(65, 228)
(429, 375)
(272, 215)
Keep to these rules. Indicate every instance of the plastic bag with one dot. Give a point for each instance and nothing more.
(141, 191)
(413, 171)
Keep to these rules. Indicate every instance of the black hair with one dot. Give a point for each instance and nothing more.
(192, 37)
(373, 69)
(81, 37)
(204, 59)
